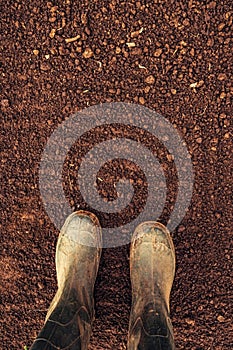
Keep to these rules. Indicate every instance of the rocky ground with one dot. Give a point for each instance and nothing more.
(59, 57)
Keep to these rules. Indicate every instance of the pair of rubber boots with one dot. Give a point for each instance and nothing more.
(152, 268)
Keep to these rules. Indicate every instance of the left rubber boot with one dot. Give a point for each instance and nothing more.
(71, 313)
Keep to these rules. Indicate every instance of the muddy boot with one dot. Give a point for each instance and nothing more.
(152, 269)
(70, 315)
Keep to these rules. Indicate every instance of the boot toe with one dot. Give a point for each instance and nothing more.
(153, 231)
(83, 227)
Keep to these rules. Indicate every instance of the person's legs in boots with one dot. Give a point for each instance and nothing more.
(70, 315)
(152, 270)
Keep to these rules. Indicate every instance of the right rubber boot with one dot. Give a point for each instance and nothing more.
(152, 270)
(71, 313)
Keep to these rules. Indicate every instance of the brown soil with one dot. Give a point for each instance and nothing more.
(186, 47)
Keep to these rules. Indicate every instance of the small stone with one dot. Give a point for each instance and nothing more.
(36, 52)
(62, 50)
(158, 52)
(192, 52)
(52, 33)
(52, 19)
(183, 43)
(53, 51)
(54, 9)
(118, 50)
(134, 34)
(141, 100)
(193, 85)
(5, 103)
(222, 116)
(173, 91)
(221, 26)
(40, 285)
(150, 79)
(200, 83)
(186, 22)
(220, 318)
(221, 76)
(222, 95)
(88, 53)
(87, 31)
(181, 228)
(190, 322)
(131, 44)
(197, 84)
(210, 42)
(84, 18)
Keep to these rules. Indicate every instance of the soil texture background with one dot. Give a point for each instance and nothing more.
(59, 57)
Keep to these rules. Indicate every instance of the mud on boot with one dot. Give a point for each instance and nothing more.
(152, 270)
(71, 313)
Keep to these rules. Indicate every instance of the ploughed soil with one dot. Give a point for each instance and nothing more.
(174, 57)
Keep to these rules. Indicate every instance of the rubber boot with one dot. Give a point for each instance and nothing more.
(152, 270)
(70, 315)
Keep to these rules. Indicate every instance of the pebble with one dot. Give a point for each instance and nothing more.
(147, 89)
(221, 26)
(220, 318)
(5, 103)
(131, 44)
(88, 53)
(181, 228)
(142, 100)
(52, 19)
(192, 52)
(150, 79)
(190, 322)
(221, 76)
(118, 50)
(134, 34)
(158, 52)
(52, 33)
